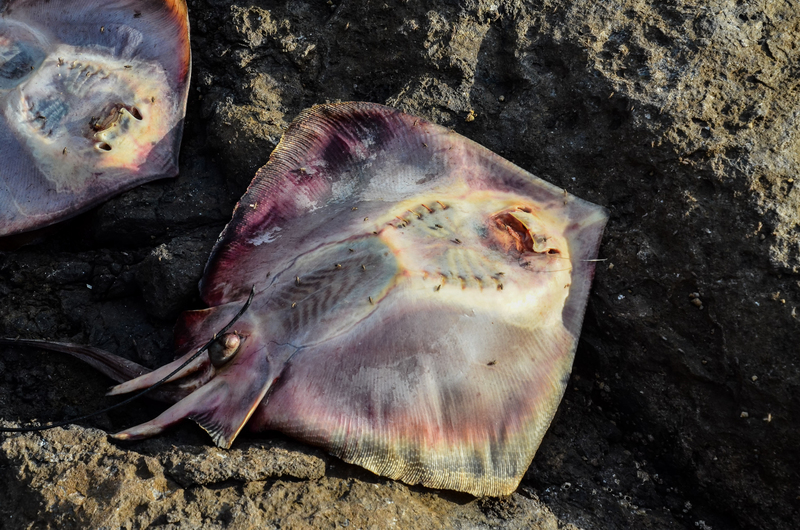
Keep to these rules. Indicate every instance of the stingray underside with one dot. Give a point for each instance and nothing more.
(452, 375)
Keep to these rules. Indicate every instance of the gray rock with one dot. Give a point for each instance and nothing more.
(168, 276)
(681, 118)
(246, 462)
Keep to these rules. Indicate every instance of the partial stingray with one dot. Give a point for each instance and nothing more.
(92, 100)
(418, 303)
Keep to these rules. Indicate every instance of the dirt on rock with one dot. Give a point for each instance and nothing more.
(682, 118)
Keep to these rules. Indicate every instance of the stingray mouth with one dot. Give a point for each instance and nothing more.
(117, 121)
(113, 116)
(518, 230)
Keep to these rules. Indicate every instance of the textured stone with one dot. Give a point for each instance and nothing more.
(680, 117)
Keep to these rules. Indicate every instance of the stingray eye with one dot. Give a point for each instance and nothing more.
(224, 349)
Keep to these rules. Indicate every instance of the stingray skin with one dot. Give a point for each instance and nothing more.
(418, 302)
(92, 99)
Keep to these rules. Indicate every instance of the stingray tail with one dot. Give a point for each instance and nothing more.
(113, 366)
(222, 404)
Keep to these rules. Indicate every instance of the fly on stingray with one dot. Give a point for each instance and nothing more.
(92, 100)
(416, 304)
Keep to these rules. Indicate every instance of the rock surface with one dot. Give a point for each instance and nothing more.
(681, 117)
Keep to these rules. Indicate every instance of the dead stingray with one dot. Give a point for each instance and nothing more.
(418, 301)
(92, 99)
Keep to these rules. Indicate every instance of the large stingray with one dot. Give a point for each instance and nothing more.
(92, 99)
(418, 301)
